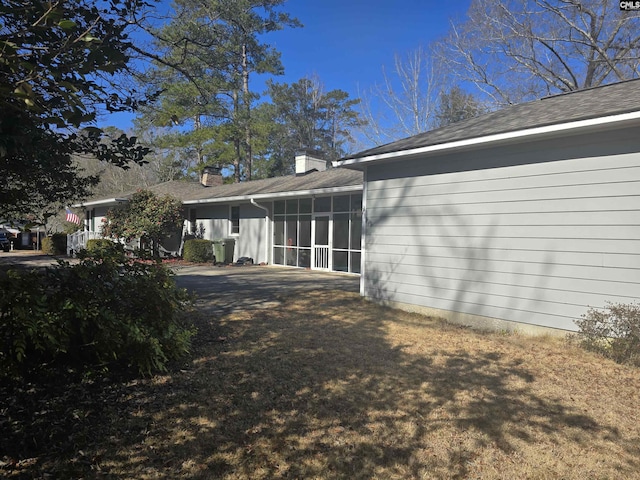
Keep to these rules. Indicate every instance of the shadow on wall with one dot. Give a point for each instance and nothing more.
(451, 260)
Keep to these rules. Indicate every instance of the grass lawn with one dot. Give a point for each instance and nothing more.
(331, 386)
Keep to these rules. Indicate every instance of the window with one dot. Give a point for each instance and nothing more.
(235, 221)
(192, 221)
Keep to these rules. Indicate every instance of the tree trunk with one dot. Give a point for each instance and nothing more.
(197, 124)
(247, 105)
(236, 140)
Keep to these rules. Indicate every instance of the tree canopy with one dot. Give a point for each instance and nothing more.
(206, 56)
(302, 115)
(64, 63)
(146, 216)
(58, 61)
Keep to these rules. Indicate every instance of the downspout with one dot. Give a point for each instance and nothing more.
(363, 234)
(266, 228)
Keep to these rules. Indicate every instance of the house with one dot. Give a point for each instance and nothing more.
(519, 219)
(311, 219)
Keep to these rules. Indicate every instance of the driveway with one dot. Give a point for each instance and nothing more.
(28, 258)
(225, 289)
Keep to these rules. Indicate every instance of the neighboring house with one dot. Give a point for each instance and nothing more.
(521, 218)
(312, 219)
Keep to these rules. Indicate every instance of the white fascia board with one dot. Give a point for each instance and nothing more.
(104, 201)
(288, 194)
(610, 121)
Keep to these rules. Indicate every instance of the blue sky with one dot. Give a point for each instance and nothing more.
(346, 42)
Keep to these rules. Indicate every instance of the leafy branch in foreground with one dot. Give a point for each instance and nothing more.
(104, 312)
(59, 62)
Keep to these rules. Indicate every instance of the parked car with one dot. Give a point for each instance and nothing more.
(5, 244)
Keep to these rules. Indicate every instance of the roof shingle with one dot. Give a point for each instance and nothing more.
(193, 191)
(602, 101)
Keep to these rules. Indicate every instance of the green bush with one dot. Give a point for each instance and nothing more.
(55, 244)
(47, 246)
(613, 332)
(101, 247)
(97, 314)
(198, 251)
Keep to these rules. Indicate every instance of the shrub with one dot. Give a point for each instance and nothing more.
(47, 246)
(101, 247)
(92, 316)
(613, 332)
(56, 244)
(198, 251)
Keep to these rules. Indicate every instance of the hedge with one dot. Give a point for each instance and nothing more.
(198, 251)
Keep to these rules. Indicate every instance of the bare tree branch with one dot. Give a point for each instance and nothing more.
(514, 50)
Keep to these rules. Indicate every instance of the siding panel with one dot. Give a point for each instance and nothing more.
(536, 240)
(418, 254)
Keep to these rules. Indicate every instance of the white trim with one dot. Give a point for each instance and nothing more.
(287, 194)
(329, 244)
(363, 231)
(105, 201)
(266, 229)
(230, 230)
(612, 121)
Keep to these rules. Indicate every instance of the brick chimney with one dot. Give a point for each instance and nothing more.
(307, 160)
(211, 176)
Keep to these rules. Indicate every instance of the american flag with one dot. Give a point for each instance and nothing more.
(72, 217)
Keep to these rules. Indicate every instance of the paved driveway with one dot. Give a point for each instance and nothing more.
(225, 289)
(27, 258)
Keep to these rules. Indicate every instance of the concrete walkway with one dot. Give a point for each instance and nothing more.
(226, 289)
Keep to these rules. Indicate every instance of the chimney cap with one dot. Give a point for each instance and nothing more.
(310, 152)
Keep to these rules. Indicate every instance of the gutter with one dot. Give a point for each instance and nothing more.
(287, 194)
(266, 228)
(611, 121)
(104, 201)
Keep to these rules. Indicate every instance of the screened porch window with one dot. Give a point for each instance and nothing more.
(292, 232)
(337, 230)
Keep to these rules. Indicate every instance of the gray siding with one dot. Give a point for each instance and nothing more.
(253, 238)
(532, 234)
(215, 219)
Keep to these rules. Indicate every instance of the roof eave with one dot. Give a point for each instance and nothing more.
(607, 122)
(103, 202)
(287, 194)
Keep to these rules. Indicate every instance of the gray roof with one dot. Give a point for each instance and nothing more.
(602, 101)
(275, 187)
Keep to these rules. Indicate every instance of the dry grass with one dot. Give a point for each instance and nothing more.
(331, 386)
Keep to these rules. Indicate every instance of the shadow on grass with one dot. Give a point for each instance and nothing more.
(315, 388)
